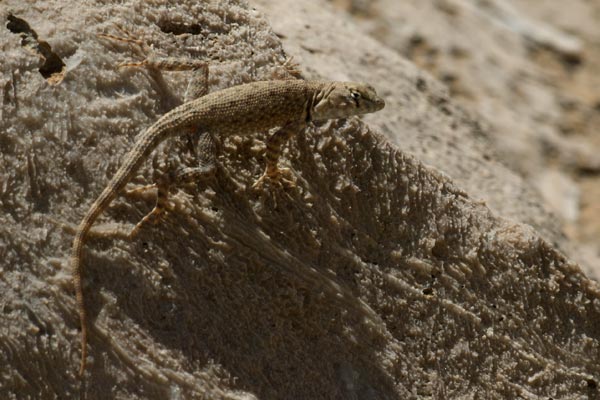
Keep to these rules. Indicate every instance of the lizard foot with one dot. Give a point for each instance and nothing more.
(145, 193)
(139, 47)
(289, 70)
(282, 177)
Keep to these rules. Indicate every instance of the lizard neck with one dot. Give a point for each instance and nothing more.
(317, 92)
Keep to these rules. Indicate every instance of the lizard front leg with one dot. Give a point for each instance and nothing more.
(274, 143)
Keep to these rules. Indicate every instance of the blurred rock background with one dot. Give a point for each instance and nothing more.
(528, 68)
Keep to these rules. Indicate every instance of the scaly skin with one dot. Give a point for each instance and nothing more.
(240, 109)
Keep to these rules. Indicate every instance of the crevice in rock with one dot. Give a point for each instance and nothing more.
(178, 28)
(53, 68)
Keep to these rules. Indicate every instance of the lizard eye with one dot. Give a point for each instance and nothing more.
(356, 97)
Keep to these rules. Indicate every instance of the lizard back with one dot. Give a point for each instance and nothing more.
(254, 106)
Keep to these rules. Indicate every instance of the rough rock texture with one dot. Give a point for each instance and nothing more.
(378, 277)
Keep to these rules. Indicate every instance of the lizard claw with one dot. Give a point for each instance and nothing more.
(280, 177)
(141, 192)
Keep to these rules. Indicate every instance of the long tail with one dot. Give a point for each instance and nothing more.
(143, 147)
(99, 205)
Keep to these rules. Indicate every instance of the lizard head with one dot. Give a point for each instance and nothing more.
(344, 99)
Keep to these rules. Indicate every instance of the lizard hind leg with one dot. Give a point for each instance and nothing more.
(163, 180)
(198, 84)
(143, 192)
(138, 46)
(289, 70)
(205, 170)
(162, 197)
(205, 151)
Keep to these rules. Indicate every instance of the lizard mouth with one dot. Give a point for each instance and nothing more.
(372, 105)
(377, 104)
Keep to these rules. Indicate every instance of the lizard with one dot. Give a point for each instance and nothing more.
(247, 108)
